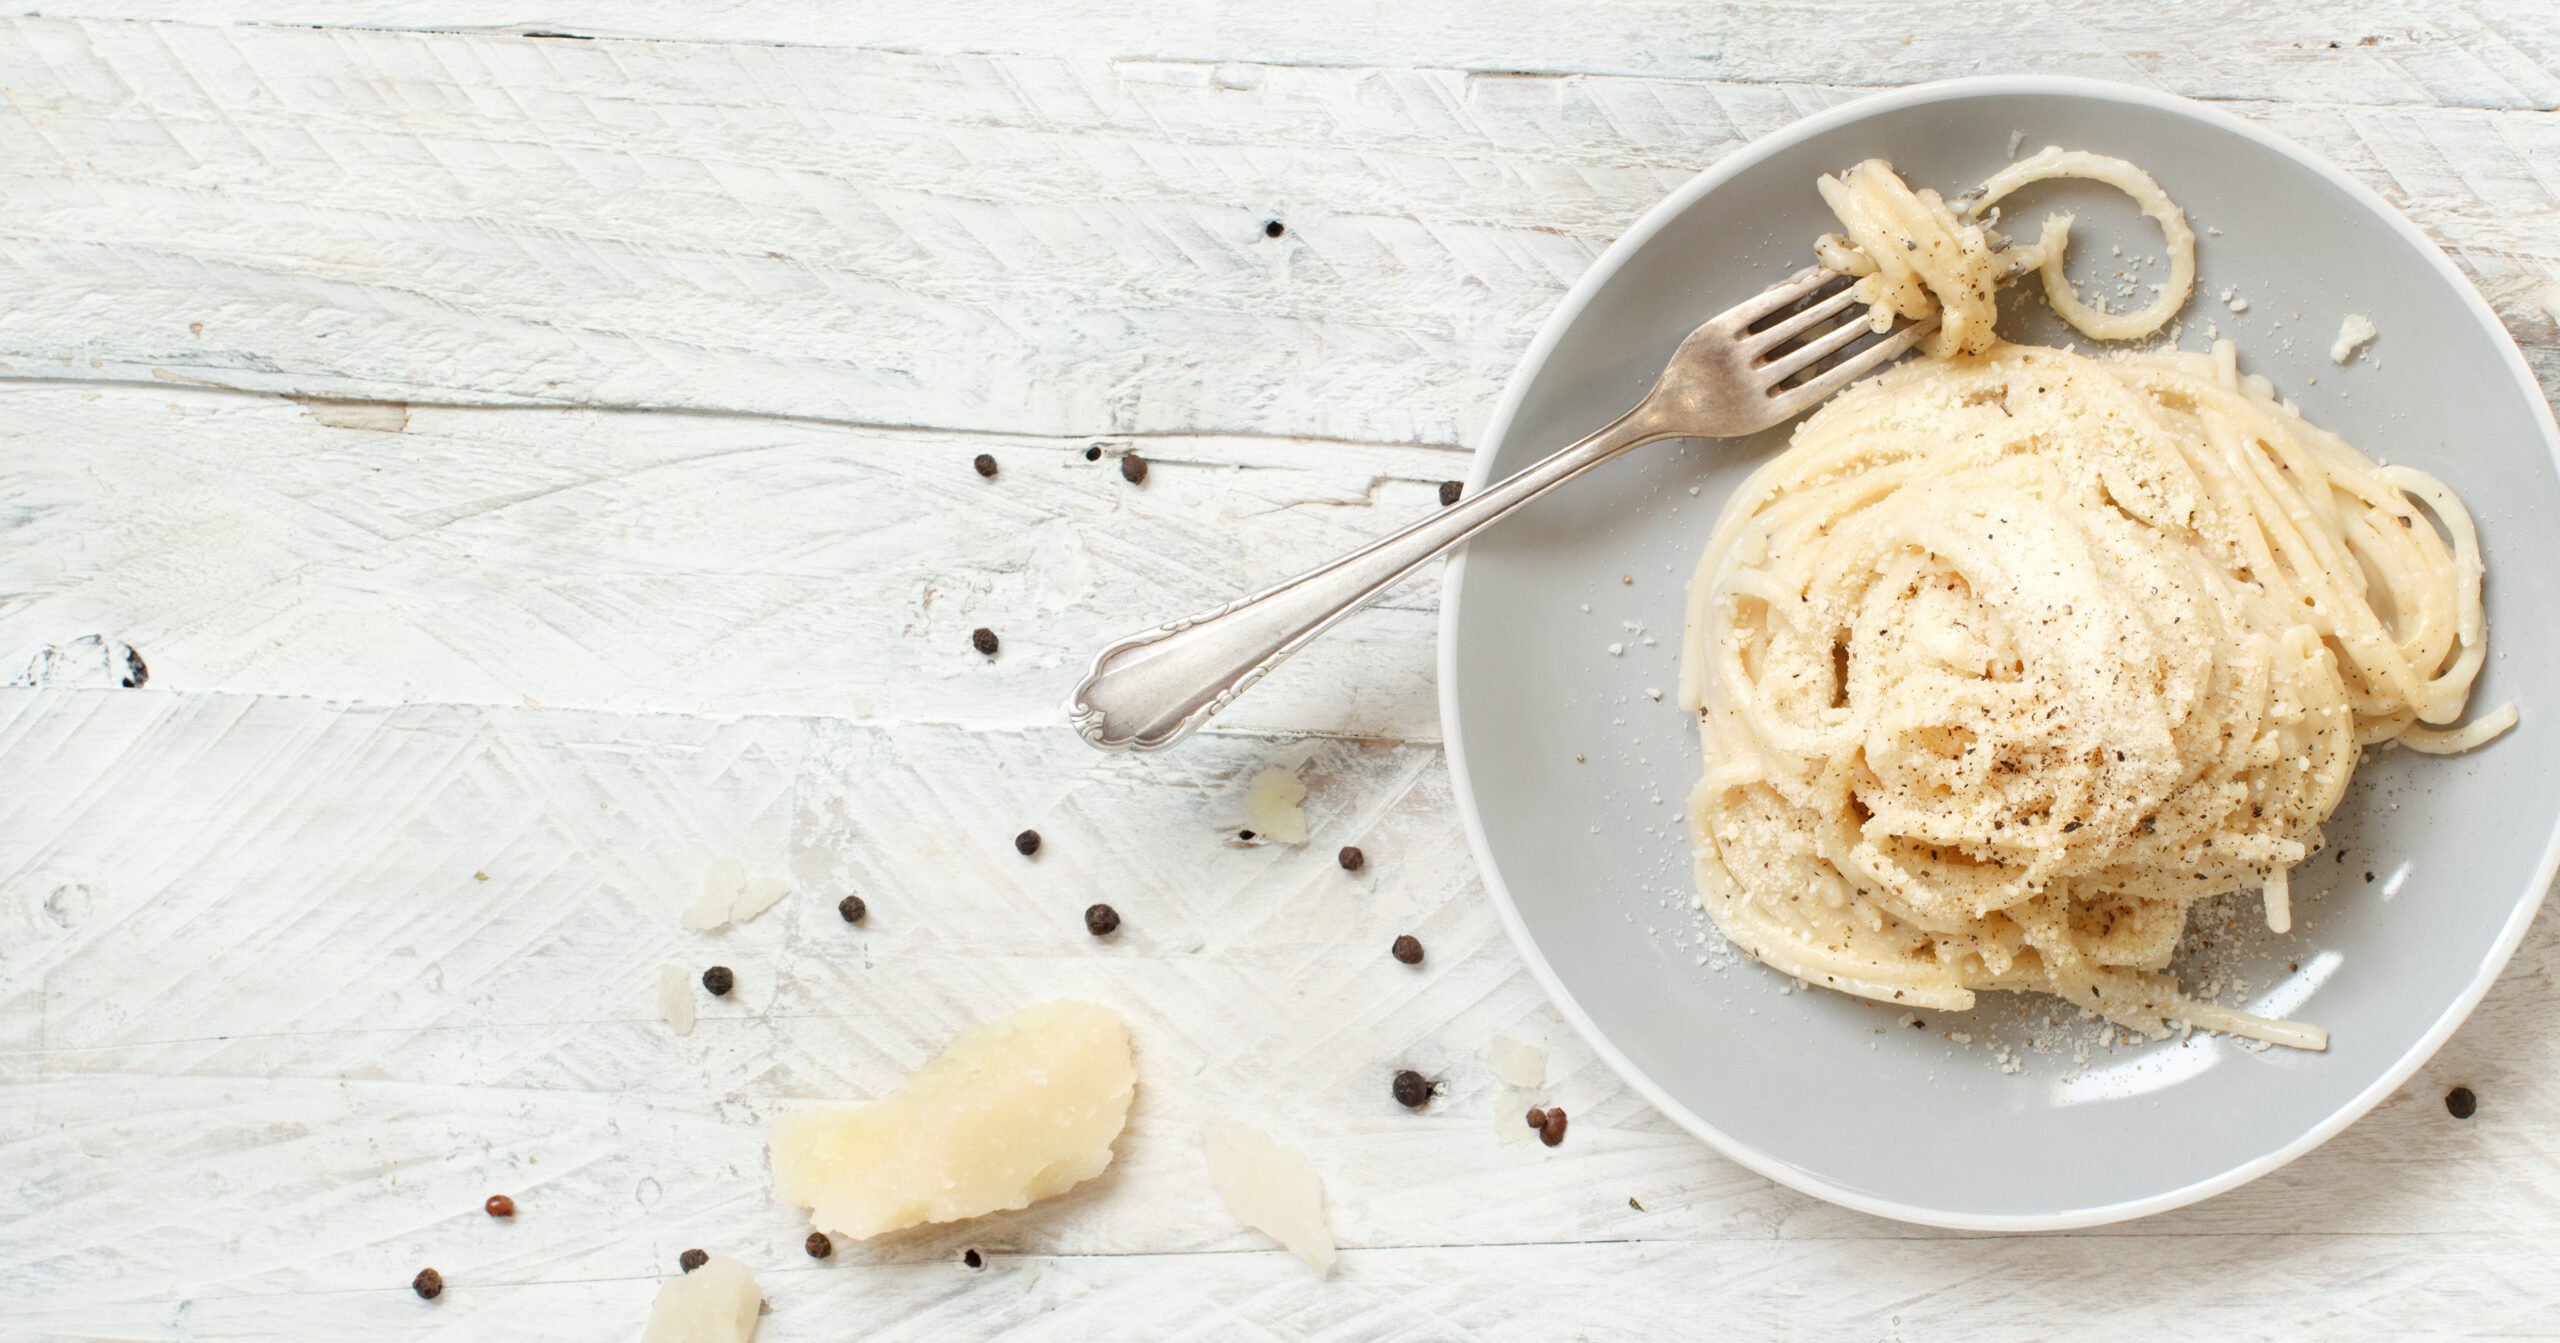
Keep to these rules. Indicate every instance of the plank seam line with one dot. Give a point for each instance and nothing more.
(48, 381)
(554, 35)
(726, 716)
(1107, 1256)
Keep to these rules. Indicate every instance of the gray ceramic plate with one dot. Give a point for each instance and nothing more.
(1571, 776)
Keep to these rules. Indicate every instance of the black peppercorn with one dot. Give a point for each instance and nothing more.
(1352, 859)
(986, 465)
(1101, 920)
(819, 1246)
(1449, 492)
(428, 1284)
(852, 908)
(1412, 1089)
(499, 1205)
(1408, 949)
(1274, 229)
(1245, 835)
(691, 1260)
(1552, 1132)
(1027, 843)
(1133, 469)
(719, 981)
(2460, 1103)
(1094, 453)
(974, 1259)
(984, 640)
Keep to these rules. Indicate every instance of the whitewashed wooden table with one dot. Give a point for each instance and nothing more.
(532, 439)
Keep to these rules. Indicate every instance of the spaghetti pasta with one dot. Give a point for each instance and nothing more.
(2014, 655)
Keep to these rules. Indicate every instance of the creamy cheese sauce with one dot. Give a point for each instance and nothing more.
(2014, 655)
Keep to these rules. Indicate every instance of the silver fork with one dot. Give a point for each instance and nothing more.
(1152, 689)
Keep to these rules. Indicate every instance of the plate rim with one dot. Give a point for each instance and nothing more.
(1568, 311)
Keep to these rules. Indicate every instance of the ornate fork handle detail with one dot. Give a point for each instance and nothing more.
(1730, 376)
(1152, 689)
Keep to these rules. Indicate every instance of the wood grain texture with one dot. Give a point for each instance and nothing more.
(681, 563)
(548, 460)
(2500, 54)
(227, 996)
(1055, 245)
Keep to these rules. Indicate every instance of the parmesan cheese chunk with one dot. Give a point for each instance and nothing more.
(675, 997)
(758, 897)
(1011, 1112)
(722, 882)
(1522, 1066)
(716, 1303)
(1270, 1188)
(1272, 799)
(2352, 334)
(1511, 1108)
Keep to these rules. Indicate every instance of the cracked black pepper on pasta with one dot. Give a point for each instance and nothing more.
(2015, 654)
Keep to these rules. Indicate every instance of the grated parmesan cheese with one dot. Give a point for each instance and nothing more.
(759, 896)
(1271, 1188)
(717, 1302)
(1519, 1065)
(722, 882)
(675, 997)
(1272, 800)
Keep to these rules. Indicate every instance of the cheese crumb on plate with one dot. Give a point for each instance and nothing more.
(2352, 334)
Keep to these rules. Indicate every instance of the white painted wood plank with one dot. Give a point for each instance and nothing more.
(680, 563)
(2500, 54)
(2240, 1288)
(1043, 245)
(270, 1043)
(264, 1043)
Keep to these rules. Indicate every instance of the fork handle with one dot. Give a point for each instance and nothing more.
(1152, 689)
